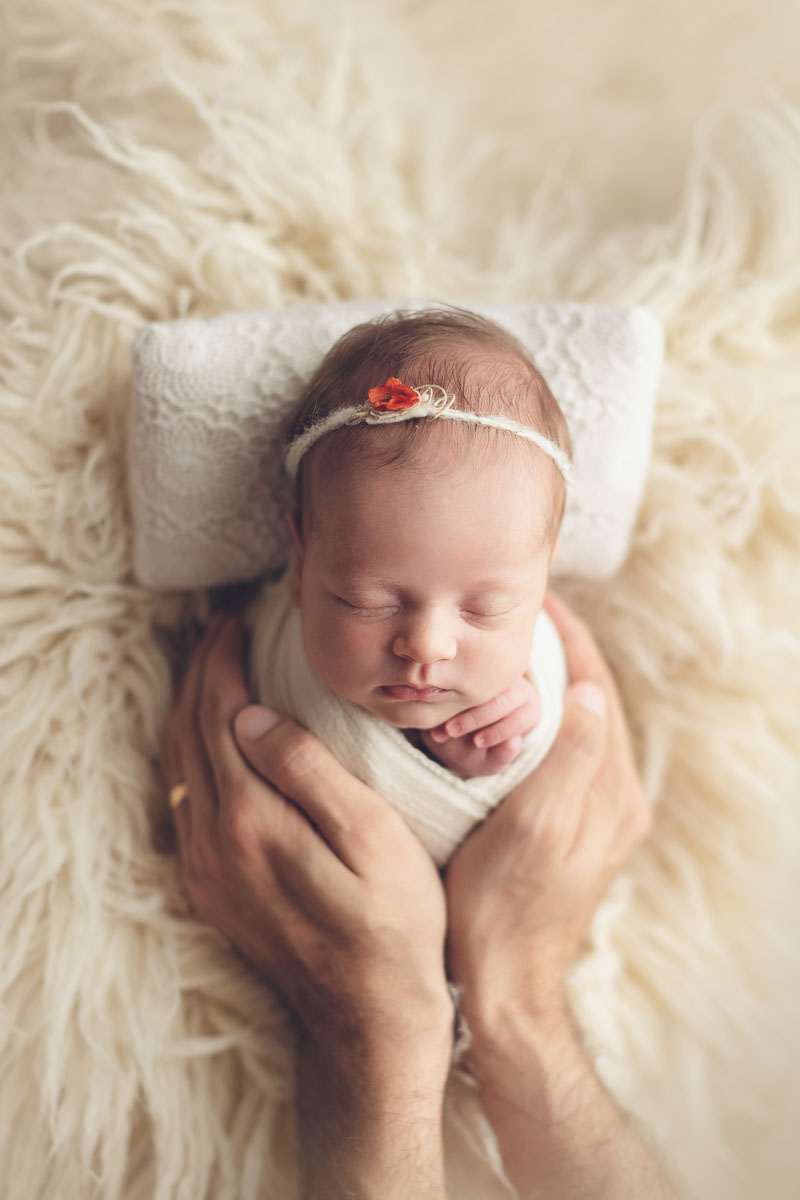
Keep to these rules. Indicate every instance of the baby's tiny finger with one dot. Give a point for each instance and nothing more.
(480, 716)
(522, 720)
(506, 752)
(439, 734)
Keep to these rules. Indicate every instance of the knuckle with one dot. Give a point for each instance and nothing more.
(465, 722)
(300, 755)
(241, 810)
(241, 827)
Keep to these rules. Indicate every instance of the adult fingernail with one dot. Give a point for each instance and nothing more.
(253, 722)
(591, 696)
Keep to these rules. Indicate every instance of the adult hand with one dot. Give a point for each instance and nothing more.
(312, 875)
(324, 888)
(521, 893)
(522, 889)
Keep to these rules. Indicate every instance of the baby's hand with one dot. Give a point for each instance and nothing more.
(485, 739)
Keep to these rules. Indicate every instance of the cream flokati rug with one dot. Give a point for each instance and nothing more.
(179, 157)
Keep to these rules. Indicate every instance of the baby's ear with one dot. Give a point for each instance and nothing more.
(296, 567)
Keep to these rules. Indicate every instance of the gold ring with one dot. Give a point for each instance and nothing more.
(178, 794)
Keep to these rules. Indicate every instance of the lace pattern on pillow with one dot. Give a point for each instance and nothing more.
(206, 479)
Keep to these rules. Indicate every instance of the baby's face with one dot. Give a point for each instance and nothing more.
(419, 594)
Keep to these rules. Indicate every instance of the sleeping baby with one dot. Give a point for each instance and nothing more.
(430, 462)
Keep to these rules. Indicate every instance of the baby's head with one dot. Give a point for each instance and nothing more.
(423, 547)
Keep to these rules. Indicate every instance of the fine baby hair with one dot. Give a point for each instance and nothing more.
(451, 362)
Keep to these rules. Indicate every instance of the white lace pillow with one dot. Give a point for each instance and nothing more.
(207, 485)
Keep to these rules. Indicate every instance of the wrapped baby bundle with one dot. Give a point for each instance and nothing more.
(440, 807)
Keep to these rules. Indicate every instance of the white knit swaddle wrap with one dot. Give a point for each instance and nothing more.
(439, 807)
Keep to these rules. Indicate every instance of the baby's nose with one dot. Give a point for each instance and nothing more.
(425, 640)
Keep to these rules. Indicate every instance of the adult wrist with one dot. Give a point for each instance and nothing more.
(504, 1034)
(403, 1046)
(490, 1003)
(369, 1118)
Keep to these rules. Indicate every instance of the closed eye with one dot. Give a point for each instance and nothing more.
(479, 615)
(364, 610)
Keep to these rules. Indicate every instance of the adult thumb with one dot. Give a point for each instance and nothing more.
(583, 724)
(589, 695)
(251, 723)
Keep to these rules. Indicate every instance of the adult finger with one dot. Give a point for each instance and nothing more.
(584, 660)
(197, 813)
(174, 776)
(174, 752)
(222, 694)
(557, 789)
(349, 815)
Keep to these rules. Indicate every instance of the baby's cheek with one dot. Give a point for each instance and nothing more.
(338, 653)
(501, 665)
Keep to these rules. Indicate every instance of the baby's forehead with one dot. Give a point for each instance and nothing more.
(478, 497)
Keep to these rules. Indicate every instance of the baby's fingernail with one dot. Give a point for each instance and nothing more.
(591, 696)
(253, 722)
(479, 740)
(438, 735)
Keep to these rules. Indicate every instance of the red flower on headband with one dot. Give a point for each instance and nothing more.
(393, 396)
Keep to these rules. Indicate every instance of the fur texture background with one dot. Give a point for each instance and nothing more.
(169, 156)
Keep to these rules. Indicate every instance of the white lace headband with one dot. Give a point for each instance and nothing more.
(396, 401)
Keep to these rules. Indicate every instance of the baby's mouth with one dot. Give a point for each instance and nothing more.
(406, 691)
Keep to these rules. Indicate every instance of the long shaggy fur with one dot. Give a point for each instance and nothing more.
(169, 158)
